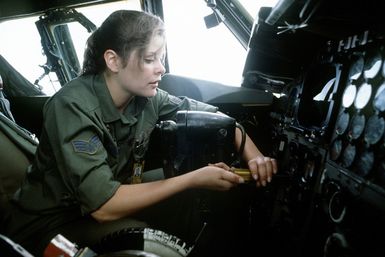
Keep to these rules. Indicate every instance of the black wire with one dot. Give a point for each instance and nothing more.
(242, 146)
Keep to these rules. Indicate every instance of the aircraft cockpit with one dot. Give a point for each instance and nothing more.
(311, 94)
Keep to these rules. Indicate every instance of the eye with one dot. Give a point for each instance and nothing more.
(149, 60)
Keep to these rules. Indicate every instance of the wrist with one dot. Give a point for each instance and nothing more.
(255, 158)
(188, 180)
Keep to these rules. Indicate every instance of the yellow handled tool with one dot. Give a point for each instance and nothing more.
(244, 173)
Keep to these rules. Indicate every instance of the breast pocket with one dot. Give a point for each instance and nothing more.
(141, 143)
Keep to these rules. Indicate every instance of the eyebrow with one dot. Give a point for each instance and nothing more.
(150, 54)
(155, 54)
(161, 49)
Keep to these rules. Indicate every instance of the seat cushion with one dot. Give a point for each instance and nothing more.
(13, 166)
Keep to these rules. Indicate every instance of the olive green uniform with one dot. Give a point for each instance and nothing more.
(87, 149)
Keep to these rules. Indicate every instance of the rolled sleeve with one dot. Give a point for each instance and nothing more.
(95, 190)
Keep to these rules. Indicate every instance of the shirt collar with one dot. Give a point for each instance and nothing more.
(109, 111)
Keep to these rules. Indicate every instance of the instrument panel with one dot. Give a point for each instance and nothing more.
(356, 149)
(329, 141)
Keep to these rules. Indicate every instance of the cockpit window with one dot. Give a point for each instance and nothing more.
(20, 43)
(198, 52)
(214, 53)
(20, 46)
(194, 50)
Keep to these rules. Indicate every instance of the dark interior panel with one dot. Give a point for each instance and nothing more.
(28, 112)
(213, 92)
(11, 9)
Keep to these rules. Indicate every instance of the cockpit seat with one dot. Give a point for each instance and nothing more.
(4, 103)
(16, 153)
(17, 150)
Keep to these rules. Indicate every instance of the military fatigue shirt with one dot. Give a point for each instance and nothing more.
(87, 146)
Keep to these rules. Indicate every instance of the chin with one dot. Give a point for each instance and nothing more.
(154, 91)
(150, 93)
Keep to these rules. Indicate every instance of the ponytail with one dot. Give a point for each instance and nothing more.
(93, 61)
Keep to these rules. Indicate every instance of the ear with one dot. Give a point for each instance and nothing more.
(112, 60)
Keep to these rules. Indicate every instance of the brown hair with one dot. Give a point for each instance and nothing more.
(123, 32)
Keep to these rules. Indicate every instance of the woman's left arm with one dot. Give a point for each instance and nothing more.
(261, 167)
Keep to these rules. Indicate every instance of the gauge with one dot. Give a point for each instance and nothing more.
(337, 207)
(374, 129)
(379, 99)
(372, 65)
(342, 122)
(365, 163)
(336, 244)
(356, 68)
(357, 126)
(363, 96)
(348, 155)
(335, 150)
(349, 95)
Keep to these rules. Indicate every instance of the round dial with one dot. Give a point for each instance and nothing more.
(348, 155)
(349, 95)
(337, 208)
(356, 68)
(379, 99)
(363, 96)
(372, 65)
(365, 163)
(357, 126)
(374, 129)
(342, 123)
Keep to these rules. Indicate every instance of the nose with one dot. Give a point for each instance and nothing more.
(160, 69)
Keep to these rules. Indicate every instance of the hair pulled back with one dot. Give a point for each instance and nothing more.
(123, 32)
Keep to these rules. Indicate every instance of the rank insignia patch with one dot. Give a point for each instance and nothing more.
(90, 147)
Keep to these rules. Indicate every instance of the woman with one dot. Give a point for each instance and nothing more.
(79, 182)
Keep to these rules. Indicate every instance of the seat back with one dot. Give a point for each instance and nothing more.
(17, 149)
(5, 107)
(12, 169)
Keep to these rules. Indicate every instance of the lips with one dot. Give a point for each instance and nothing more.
(154, 83)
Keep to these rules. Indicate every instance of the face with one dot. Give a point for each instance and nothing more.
(143, 79)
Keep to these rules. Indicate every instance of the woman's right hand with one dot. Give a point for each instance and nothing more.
(216, 176)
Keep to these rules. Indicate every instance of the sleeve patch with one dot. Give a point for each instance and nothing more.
(90, 146)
